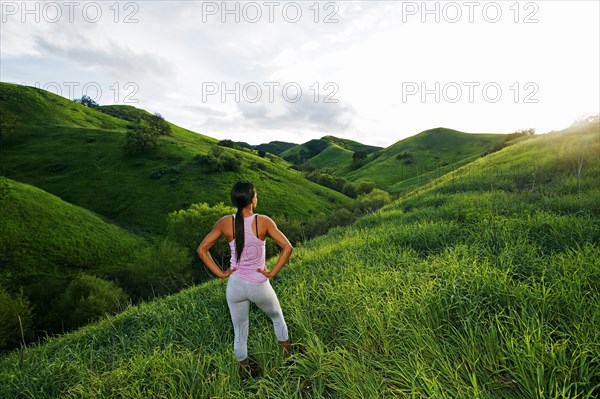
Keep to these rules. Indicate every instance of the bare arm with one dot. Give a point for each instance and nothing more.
(203, 251)
(283, 243)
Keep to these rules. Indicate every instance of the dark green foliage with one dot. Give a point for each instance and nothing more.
(8, 123)
(87, 101)
(373, 200)
(496, 147)
(406, 157)
(520, 133)
(157, 174)
(158, 124)
(349, 189)
(364, 187)
(140, 139)
(88, 298)
(219, 161)
(359, 155)
(275, 147)
(155, 271)
(262, 153)
(227, 143)
(15, 319)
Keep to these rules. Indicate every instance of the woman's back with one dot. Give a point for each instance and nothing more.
(254, 253)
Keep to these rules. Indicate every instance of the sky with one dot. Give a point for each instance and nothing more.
(371, 71)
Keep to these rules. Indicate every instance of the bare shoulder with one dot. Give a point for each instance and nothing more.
(223, 221)
(266, 219)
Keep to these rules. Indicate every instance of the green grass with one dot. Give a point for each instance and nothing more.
(485, 283)
(317, 152)
(77, 153)
(333, 157)
(44, 235)
(434, 151)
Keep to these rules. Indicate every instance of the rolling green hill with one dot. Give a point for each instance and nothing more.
(429, 153)
(275, 147)
(484, 283)
(307, 152)
(77, 153)
(42, 234)
(46, 243)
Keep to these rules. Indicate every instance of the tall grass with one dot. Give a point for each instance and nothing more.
(456, 291)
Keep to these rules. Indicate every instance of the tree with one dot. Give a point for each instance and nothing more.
(358, 159)
(262, 153)
(140, 139)
(87, 101)
(159, 125)
(227, 143)
(359, 155)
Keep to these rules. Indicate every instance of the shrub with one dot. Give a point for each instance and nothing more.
(372, 201)
(88, 298)
(11, 309)
(87, 101)
(189, 226)
(406, 157)
(364, 187)
(159, 125)
(140, 139)
(349, 190)
(158, 270)
(219, 161)
(227, 143)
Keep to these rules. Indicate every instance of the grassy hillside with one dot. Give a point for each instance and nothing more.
(45, 244)
(275, 147)
(440, 148)
(77, 154)
(484, 284)
(333, 157)
(42, 234)
(307, 152)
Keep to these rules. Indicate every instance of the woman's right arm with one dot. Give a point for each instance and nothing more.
(206, 244)
(284, 244)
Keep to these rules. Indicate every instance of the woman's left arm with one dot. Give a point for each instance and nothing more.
(203, 251)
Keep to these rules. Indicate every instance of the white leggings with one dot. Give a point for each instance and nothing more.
(240, 292)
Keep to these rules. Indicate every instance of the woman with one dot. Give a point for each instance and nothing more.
(248, 279)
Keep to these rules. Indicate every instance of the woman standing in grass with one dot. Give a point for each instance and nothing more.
(248, 278)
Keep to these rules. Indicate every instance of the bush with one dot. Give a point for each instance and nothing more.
(406, 157)
(11, 309)
(227, 143)
(158, 124)
(87, 101)
(325, 222)
(189, 226)
(140, 139)
(88, 298)
(158, 270)
(364, 187)
(219, 161)
(372, 201)
(349, 190)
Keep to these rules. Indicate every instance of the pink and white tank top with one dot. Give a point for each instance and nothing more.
(253, 255)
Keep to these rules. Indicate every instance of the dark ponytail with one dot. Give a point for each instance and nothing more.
(242, 194)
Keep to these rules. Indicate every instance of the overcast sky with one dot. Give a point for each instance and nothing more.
(371, 71)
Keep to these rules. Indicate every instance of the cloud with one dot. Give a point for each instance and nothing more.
(117, 59)
(305, 113)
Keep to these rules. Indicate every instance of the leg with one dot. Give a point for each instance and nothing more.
(238, 307)
(266, 299)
